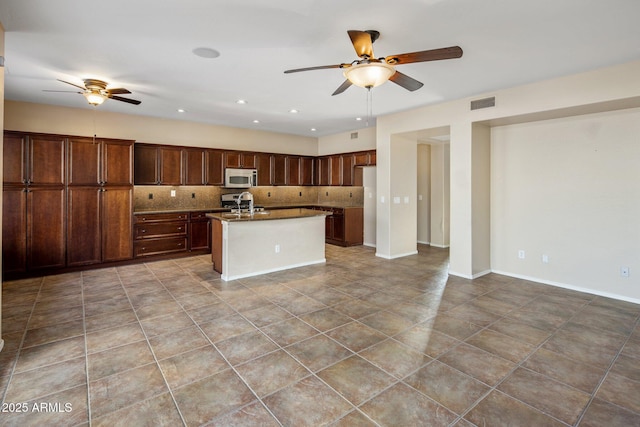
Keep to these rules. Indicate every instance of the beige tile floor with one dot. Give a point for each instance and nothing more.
(360, 341)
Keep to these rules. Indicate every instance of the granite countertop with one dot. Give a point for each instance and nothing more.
(268, 215)
(274, 206)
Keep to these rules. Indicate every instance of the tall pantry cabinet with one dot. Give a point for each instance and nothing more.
(66, 201)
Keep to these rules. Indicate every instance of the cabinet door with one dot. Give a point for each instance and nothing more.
(361, 159)
(194, 159)
(249, 160)
(46, 160)
(347, 169)
(338, 225)
(372, 158)
(83, 226)
(14, 159)
(215, 167)
(199, 235)
(263, 165)
(322, 171)
(293, 170)
(14, 229)
(146, 164)
(232, 159)
(279, 169)
(171, 165)
(117, 162)
(117, 223)
(306, 171)
(84, 161)
(335, 168)
(45, 227)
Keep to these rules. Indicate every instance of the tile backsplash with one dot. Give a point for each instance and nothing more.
(159, 197)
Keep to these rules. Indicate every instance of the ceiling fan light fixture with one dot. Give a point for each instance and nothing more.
(94, 98)
(369, 74)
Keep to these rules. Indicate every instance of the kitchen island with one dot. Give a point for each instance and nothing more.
(245, 244)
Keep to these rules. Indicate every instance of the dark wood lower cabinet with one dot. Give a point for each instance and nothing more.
(83, 226)
(117, 223)
(14, 230)
(45, 228)
(344, 227)
(169, 233)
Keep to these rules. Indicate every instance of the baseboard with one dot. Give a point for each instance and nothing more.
(570, 287)
(395, 256)
(370, 245)
(272, 270)
(438, 246)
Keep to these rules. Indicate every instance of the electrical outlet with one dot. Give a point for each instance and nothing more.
(277, 248)
(545, 258)
(193, 195)
(624, 271)
(150, 196)
(173, 193)
(521, 254)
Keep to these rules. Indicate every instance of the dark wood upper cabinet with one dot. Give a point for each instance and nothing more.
(214, 171)
(33, 159)
(14, 159)
(279, 169)
(347, 169)
(171, 166)
(158, 165)
(238, 159)
(293, 170)
(146, 166)
(335, 167)
(306, 171)
(264, 167)
(194, 166)
(361, 159)
(117, 162)
(100, 162)
(322, 171)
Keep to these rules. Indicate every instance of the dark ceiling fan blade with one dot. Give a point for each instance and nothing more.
(409, 83)
(362, 43)
(118, 91)
(130, 101)
(72, 84)
(344, 86)
(425, 55)
(320, 67)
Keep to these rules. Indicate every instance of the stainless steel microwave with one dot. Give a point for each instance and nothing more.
(240, 178)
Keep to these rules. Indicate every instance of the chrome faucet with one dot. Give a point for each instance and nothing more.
(245, 195)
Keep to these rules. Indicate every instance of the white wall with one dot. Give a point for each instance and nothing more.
(87, 121)
(440, 200)
(424, 192)
(611, 89)
(342, 142)
(569, 189)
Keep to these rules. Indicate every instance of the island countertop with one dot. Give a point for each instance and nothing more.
(268, 215)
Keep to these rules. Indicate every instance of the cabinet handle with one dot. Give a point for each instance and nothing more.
(179, 228)
(143, 230)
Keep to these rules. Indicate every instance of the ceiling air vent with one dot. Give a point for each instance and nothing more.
(354, 135)
(483, 103)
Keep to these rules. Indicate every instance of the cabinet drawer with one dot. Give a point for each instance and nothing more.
(198, 216)
(159, 246)
(160, 229)
(155, 217)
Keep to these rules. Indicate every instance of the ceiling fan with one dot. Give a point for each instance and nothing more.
(369, 71)
(95, 91)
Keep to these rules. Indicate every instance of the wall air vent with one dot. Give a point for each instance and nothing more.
(354, 135)
(483, 103)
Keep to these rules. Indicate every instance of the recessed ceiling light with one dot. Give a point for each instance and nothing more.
(181, 110)
(241, 101)
(358, 118)
(206, 52)
(293, 111)
(313, 129)
(256, 121)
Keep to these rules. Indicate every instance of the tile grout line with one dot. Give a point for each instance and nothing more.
(22, 340)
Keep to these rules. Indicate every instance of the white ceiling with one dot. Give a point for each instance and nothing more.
(146, 46)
